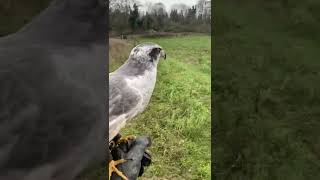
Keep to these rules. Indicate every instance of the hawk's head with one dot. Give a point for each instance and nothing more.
(147, 53)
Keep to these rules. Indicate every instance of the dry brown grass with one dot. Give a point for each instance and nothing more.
(118, 52)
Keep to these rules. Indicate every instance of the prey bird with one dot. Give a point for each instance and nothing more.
(130, 89)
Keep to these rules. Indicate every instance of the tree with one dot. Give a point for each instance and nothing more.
(119, 21)
(200, 7)
(126, 16)
(174, 16)
(191, 15)
(122, 5)
(159, 9)
(134, 18)
(119, 15)
(147, 22)
(180, 7)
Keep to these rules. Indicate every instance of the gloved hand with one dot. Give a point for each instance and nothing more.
(134, 151)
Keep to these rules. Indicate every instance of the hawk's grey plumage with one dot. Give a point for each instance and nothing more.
(131, 86)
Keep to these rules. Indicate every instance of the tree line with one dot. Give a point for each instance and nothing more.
(129, 16)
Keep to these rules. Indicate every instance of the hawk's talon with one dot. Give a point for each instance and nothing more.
(113, 168)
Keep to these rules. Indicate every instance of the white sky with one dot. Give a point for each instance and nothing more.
(169, 3)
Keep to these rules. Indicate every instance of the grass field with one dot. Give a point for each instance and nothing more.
(266, 90)
(178, 117)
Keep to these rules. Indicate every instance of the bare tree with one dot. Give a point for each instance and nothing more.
(200, 7)
(159, 9)
(119, 14)
(124, 18)
(180, 7)
(122, 5)
(148, 5)
(204, 9)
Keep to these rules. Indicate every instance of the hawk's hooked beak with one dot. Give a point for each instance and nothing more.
(163, 54)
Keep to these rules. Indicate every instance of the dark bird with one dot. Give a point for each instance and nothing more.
(53, 93)
(130, 89)
(134, 151)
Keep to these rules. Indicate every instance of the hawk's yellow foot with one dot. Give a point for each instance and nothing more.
(126, 139)
(113, 168)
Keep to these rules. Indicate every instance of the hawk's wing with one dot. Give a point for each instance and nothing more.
(123, 103)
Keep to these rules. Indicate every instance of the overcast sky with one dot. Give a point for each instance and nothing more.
(168, 3)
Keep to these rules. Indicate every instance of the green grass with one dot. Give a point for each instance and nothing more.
(266, 90)
(178, 118)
